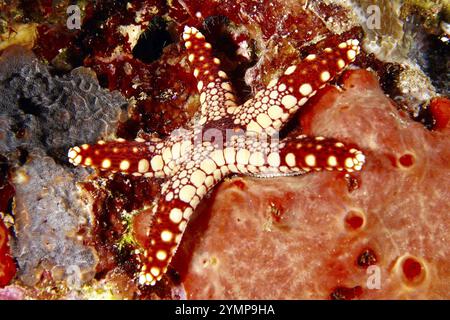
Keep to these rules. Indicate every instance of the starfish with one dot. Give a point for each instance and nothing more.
(226, 139)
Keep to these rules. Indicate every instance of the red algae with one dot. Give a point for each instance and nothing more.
(440, 109)
(7, 265)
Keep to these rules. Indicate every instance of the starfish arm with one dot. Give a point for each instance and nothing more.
(138, 157)
(272, 107)
(194, 162)
(263, 156)
(305, 154)
(179, 197)
(216, 93)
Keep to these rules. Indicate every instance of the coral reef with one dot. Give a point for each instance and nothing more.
(343, 225)
(193, 162)
(49, 221)
(406, 33)
(40, 111)
(41, 115)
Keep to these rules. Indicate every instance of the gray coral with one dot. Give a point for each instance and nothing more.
(52, 112)
(41, 116)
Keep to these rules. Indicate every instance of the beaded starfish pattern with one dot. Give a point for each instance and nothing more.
(226, 139)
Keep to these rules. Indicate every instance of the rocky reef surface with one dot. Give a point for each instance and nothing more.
(124, 74)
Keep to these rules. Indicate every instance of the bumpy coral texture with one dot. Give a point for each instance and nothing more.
(40, 115)
(49, 112)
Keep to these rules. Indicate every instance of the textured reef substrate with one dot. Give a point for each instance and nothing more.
(124, 74)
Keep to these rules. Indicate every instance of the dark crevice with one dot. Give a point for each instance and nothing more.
(430, 53)
(23, 156)
(425, 117)
(152, 41)
(217, 31)
(28, 107)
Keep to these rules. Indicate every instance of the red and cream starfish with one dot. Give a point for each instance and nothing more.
(226, 139)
